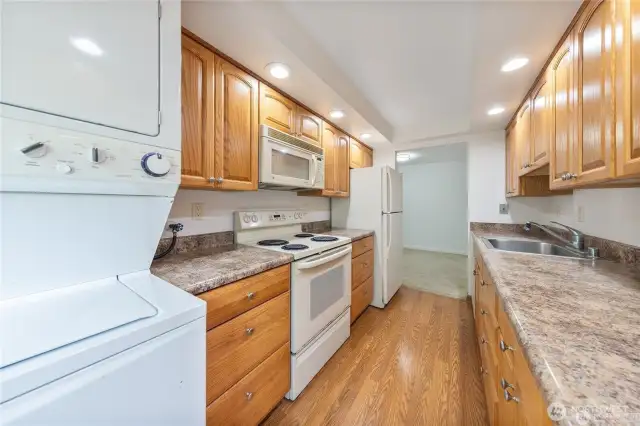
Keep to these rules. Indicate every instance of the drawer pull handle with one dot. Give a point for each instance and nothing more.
(483, 312)
(504, 347)
(249, 395)
(482, 283)
(251, 295)
(483, 340)
(506, 385)
(508, 397)
(249, 331)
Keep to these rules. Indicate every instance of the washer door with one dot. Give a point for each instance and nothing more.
(96, 62)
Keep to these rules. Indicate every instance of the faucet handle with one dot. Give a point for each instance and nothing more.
(573, 230)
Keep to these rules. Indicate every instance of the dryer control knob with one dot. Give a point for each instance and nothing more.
(155, 164)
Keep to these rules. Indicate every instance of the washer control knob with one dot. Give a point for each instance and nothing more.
(96, 155)
(254, 218)
(35, 150)
(155, 164)
(63, 168)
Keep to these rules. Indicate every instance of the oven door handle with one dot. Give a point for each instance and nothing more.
(325, 259)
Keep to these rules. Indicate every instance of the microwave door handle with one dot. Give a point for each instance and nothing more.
(315, 170)
(325, 259)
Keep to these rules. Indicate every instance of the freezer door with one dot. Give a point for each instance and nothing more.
(391, 190)
(392, 255)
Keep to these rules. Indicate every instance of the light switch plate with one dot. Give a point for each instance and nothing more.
(504, 208)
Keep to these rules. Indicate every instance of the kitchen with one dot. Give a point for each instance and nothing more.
(236, 196)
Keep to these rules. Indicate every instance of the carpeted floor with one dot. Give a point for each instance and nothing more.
(439, 273)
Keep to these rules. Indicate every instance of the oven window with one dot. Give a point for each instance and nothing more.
(284, 164)
(326, 290)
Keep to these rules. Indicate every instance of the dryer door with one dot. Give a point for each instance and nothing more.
(97, 62)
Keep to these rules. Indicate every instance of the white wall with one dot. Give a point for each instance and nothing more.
(435, 203)
(219, 207)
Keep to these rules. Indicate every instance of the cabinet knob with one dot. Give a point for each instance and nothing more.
(505, 385)
(251, 295)
(508, 397)
(212, 180)
(475, 272)
(572, 176)
(220, 180)
(483, 312)
(482, 283)
(249, 395)
(483, 370)
(483, 340)
(249, 331)
(504, 347)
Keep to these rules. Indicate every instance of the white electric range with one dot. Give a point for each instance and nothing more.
(320, 286)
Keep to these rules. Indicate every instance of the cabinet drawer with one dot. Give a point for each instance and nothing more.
(362, 246)
(361, 269)
(234, 299)
(238, 346)
(361, 297)
(253, 397)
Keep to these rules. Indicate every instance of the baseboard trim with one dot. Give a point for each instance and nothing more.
(437, 250)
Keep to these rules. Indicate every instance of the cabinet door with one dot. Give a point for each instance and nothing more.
(627, 89)
(236, 140)
(513, 179)
(329, 143)
(367, 157)
(276, 111)
(197, 114)
(540, 126)
(308, 126)
(342, 164)
(356, 155)
(595, 103)
(562, 117)
(523, 137)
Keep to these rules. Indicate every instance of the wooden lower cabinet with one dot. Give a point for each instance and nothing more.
(253, 397)
(248, 357)
(361, 276)
(513, 397)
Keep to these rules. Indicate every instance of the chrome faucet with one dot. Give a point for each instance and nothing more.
(577, 237)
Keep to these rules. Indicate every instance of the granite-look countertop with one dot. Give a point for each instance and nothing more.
(203, 270)
(579, 325)
(354, 234)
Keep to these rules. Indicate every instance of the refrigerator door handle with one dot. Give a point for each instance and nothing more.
(387, 208)
(387, 219)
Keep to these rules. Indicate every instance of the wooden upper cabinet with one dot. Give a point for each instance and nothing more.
(562, 116)
(308, 126)
(197, 113)
(342, 164)
(512, 187)
(595, 97)
(356, 155)
(329, 143)
(540, 127)
(523, 138)
(236, 134)
(276, 110)
(627, 90)
(367, 157)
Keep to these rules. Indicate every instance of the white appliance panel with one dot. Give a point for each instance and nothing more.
(159, 382)
(392, 261)
(391, 190)
(320, 291)
(97, 62)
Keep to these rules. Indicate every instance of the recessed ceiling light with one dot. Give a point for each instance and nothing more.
(514, 64)
(365, 135)
(278, 70)
(336, 114)
(87, 46)
(495, 111)
(403, 156)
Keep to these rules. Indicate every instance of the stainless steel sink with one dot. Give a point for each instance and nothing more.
(526, 246)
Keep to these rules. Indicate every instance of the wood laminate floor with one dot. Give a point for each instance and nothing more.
(414, 363)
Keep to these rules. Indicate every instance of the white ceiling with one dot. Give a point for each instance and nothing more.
(403, 71)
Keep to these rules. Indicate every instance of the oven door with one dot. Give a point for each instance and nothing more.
(286, 165)
(320, 292)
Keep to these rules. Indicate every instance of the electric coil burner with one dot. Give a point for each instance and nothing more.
(303, 235)
(273, 242)
(324, 239)
(295, 247)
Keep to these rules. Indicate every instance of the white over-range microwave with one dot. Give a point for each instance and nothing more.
(289, 163)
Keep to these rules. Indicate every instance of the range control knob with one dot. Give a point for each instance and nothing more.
(297, 215)
(35, 150)
(155, 164)
(254, 218)
(246, 218)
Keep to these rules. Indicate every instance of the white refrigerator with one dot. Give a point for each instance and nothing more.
(375, 203)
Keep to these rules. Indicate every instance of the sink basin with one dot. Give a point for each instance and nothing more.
(526, 246)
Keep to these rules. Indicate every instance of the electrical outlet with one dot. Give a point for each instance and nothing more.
(580, 214)
(197, 210)
(504, 208)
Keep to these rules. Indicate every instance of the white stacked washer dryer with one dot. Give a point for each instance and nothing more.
(320, 286)
(90, 164)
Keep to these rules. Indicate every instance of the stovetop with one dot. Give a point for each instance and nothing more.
(300, 245)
